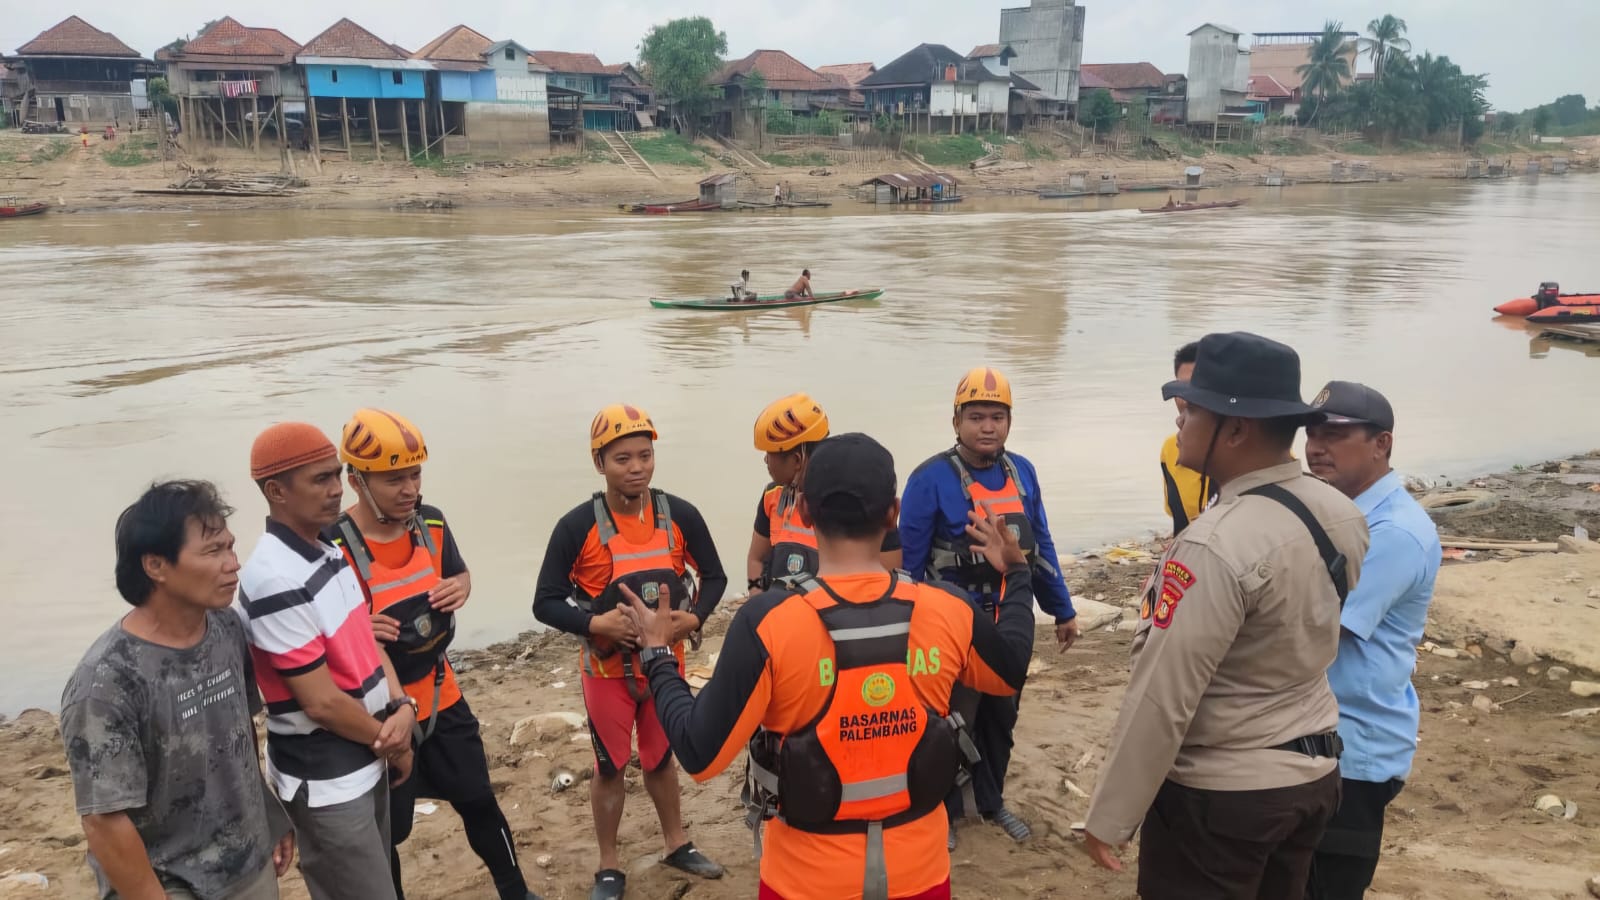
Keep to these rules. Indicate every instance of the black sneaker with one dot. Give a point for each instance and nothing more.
(688, 858)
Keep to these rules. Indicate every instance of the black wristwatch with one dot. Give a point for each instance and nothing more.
(395, 705)
(650, 654)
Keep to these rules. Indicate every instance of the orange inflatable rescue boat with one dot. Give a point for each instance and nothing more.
(1565, 314)
(1549, 295)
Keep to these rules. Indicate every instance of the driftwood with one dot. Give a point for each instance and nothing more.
(210, 181)
(1477, 543)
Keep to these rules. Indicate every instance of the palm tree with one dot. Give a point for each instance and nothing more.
(1385, 37)
(1327, 67)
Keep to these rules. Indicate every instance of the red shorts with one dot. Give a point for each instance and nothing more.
(937, 892)
(613, 716)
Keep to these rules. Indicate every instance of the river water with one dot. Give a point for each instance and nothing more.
(139, 346)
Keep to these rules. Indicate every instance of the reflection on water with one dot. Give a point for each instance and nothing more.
(157, 345)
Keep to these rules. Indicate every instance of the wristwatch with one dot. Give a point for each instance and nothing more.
(651, 654)
(394, 707)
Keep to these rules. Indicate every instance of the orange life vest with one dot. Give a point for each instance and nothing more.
(875, 756)
(973, 571)
(794, 543)
(645, 569)
(418, 655)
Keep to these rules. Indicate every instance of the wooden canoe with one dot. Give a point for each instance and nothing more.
(768, 301)
(17, 212)
(1192, 207)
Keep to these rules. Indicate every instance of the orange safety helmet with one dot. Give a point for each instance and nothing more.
(618, 421)
(375, 440)
(983, 385)
(787, 423)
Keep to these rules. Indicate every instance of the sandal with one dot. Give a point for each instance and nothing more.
(1014, 827)
(609, 884)
(688, 858)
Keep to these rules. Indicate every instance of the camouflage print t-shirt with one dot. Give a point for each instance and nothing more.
(165, 736)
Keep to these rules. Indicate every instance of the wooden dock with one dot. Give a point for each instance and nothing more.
(1589, 332)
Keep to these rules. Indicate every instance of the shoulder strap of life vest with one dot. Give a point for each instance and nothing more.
(356, 543)
(606, 526)
(965, 474)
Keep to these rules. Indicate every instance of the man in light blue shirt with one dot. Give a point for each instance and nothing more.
(1382, 624)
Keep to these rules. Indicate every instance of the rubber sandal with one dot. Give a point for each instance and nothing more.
(1014, 827)
(609, 884)
(688, 858)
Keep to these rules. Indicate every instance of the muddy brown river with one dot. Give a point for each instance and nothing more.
(143, 346)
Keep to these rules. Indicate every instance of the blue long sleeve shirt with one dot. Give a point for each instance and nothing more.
(934, 507)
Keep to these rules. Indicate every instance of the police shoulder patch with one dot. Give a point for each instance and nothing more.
(1166, 606)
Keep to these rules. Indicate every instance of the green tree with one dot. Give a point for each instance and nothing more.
(1101, 111)
(1385, 38)
(1541, 121)
(1327, 67)
(1506, 123)
(679, 58)
(754, 97)
(159, 94)
(1570, 110)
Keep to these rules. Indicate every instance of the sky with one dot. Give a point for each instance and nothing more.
(1533, 51)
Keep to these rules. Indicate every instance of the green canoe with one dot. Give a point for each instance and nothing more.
(766, 301)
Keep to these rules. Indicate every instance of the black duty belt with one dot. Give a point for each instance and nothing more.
(1315, 745)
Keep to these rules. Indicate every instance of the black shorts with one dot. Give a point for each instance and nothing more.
(451, 764)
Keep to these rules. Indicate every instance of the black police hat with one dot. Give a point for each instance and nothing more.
(1349, 403)
(1244, 375)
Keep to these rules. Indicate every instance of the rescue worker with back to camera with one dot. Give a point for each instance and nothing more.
(840, 683)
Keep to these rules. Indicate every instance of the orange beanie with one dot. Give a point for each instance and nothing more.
(285, 446)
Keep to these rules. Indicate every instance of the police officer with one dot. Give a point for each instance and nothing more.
(1382, 621)
(1226, 746)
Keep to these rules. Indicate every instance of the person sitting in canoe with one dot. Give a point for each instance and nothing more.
(741, 288)
(801, 288)
(1170, 203)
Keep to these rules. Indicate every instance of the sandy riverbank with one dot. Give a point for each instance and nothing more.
(1464, 828)
(106, 175)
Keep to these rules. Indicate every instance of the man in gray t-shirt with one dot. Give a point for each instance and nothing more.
(157, 718)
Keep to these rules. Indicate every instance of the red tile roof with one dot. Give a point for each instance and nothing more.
(782, 72)
(1125, 76)
(851, 73)
(75, 37)
(1265, 87)
(983, 50)
(572, 63)
(458, 48)
(226, 37)
(1088, 80)
(348, 40)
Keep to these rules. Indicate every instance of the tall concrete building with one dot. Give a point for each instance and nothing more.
(1047, 36)
(1219, 76)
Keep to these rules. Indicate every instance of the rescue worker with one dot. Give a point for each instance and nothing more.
(1226, 747)
(1382, 624)
(784, 544)
(844, 684)
(628, 534)
(940, 493)
(1187, 492)
(414, 580)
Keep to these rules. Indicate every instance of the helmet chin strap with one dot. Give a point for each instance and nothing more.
(1205, 465)
(377, 511)
(983, 460)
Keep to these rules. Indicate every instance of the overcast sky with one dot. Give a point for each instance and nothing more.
(1532, 50)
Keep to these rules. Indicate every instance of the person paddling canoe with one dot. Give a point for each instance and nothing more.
(801, 288)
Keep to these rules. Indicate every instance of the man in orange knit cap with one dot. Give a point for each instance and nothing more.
(333, 731)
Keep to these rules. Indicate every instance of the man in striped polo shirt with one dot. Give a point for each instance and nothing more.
(332, 730)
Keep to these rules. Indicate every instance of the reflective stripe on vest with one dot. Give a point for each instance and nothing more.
(794, 545)
(628, 560)
(1007, 503)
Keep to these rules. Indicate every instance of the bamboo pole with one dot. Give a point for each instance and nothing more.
(372, 122)
(344, 122)
(405, 131)
(422, 124)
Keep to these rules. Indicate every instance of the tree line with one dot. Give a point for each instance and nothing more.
(1409, 96)
(1566, 116)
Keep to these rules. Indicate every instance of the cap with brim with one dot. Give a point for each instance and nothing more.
(1245, 375)
(1350, 403)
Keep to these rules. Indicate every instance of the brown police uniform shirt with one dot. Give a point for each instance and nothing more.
(1237, 628)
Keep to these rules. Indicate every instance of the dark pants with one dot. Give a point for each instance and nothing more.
(992, 719)
(1348, 855)
(450, 766)
(1233, 845)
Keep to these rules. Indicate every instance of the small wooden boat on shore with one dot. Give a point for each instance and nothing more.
(767, 301)
(12, 209)
(1191, 207)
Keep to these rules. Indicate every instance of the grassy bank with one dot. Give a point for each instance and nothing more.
(669, 148)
